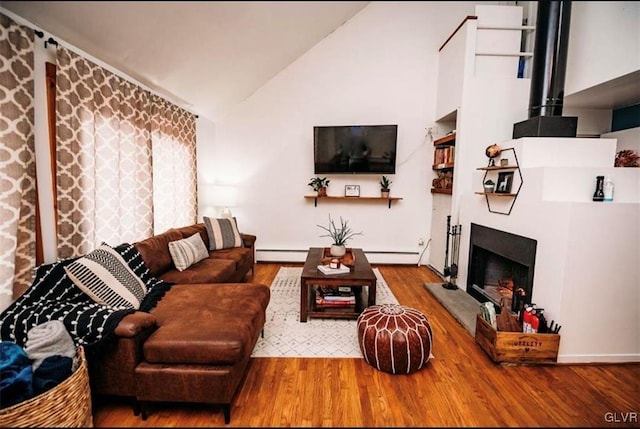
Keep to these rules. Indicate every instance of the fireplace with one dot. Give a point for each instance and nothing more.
(499, 264)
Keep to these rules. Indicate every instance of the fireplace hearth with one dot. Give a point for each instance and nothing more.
(499, 264)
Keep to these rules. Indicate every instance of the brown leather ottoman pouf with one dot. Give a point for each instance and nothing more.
(394, 338)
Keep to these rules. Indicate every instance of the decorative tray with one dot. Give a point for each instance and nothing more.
(349, 258)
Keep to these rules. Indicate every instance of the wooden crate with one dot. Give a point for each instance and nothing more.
(516, 347)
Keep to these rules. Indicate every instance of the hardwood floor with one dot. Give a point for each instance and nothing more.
(460, 387)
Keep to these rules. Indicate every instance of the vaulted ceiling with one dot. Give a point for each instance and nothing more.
(206, 56)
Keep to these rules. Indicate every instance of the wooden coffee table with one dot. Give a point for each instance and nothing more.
(361, 278)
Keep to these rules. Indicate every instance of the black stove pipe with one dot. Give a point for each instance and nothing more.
(549, 58)
(548, 73)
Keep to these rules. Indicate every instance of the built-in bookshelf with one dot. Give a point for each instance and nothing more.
(444, 156)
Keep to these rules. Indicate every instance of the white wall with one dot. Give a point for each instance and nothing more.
(604, 51)
(437, 251)
(379, 68)
(627, 139)
(604, 43)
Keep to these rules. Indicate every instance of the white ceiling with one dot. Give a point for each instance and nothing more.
(206, 56)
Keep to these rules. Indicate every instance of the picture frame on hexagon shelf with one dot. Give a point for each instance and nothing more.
(505, 181)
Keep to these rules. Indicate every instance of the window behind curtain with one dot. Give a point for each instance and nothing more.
(174, 166)
(109, 154)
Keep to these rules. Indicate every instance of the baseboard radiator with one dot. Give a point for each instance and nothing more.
(373, 256)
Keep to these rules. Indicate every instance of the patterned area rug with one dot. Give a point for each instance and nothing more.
(286, 336)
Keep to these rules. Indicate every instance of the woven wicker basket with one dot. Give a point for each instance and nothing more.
(66, 405)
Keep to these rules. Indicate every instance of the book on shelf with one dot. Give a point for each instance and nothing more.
(327, 296)
(444, 155)
(322, 302)
(338, 298)
(341, 291)
(325, 269)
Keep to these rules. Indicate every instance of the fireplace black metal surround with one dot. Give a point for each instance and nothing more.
(494, 254)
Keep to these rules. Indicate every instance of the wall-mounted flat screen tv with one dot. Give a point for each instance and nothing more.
(346, 149)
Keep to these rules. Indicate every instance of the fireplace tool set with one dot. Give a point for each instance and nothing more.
(451, 264)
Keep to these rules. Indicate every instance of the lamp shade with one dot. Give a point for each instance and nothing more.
(223, 197)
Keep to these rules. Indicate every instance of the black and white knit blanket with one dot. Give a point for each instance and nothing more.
(53, 296)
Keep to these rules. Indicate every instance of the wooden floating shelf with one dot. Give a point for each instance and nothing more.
(496, 194)
(498, 167)
(448, 139)
(331, 197)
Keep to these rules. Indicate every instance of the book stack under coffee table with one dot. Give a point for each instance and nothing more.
(340, 297)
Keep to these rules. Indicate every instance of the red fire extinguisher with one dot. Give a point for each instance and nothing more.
(535, 322)
(526, 320)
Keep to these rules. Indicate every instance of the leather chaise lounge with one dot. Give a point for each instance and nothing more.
(194, 346)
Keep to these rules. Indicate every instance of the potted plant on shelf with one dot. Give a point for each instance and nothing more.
(385, 183)
(489, 186)
(319, 184)
(339, 235)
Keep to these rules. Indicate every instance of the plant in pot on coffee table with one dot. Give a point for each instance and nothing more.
(339, 235)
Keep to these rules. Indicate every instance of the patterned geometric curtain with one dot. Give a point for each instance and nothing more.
(17, 160)
(173, 136)
(126, 163)
(136, 209)
(103, 157)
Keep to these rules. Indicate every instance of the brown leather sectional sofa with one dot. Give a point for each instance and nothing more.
(194, 346)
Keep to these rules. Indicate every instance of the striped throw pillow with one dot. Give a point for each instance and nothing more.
(105, 276)
(187, 251)
(223, 233)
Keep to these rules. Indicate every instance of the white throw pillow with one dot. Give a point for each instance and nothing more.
(105, 276)
(188, 251)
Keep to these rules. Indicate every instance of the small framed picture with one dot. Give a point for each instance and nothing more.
(352, 190)
(505, 179)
